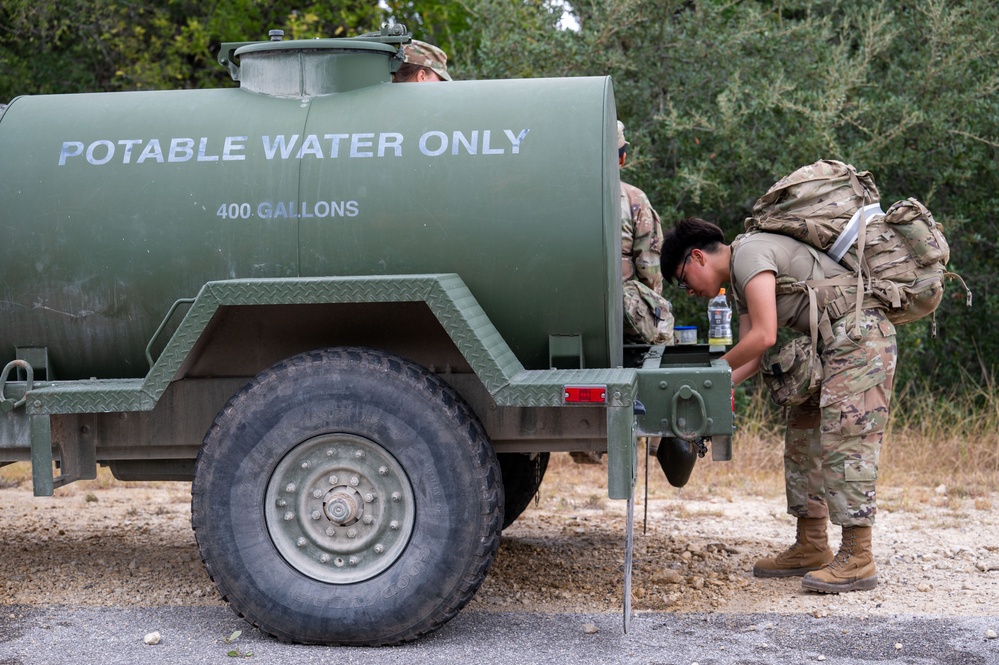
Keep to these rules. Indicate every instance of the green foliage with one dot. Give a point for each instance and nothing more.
(62, 46)
(722, 99)
(444, 24)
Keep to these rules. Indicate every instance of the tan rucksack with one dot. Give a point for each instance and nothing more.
(899, 256)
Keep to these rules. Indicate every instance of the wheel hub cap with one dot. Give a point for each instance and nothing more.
(339, 508)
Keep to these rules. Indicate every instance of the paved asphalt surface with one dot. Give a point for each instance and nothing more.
(195, 635)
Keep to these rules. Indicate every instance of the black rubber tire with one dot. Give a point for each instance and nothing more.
(521, 478)
(404, 414)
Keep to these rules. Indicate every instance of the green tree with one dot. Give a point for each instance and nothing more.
(722, 99)
(61, 46)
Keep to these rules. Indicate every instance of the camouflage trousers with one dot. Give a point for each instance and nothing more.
(648, 317)
(833, 440)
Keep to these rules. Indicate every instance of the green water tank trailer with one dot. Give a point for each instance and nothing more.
(358, 316)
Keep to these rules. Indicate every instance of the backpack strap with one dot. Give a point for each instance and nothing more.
(819, 323)
(848, 236)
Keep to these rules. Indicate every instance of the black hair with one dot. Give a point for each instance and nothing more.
(687, 234)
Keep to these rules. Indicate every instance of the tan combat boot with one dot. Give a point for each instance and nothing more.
(853, 568)
(809, 552)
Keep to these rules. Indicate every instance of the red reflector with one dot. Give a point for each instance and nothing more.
(585, 394)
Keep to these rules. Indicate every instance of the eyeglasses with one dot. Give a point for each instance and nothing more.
(679, 281)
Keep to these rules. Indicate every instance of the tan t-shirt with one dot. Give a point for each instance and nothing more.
(785, 257)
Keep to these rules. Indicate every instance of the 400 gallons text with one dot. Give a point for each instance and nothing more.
(288, 210)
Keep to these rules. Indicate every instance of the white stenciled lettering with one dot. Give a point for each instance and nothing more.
(441, 140)
(486, 150)
(335, 143)
(279, 144)
(310, 146)
(128, 144)
(390, 140)
(516, 140)
(471, 145)
(70, 149)
(181, 150)
(232, 146)
(92, 152)
(151, 151)
(290, 210)
(357, 141)
(203, 150)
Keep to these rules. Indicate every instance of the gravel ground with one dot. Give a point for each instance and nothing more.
(116, 545)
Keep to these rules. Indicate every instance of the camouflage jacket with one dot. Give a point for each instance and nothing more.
(641, 239)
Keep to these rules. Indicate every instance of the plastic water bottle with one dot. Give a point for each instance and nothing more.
(719, 320)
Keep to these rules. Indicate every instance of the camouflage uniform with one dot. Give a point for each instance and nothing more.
(426, 55)
(648, 316)
(833, 441)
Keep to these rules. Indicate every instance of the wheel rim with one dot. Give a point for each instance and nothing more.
(340, 508)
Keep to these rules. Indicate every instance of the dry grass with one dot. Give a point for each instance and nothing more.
(932, 440)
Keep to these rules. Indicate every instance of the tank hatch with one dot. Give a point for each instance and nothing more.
(310, 67)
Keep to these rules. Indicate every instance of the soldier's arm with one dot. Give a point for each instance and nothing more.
(647, 245)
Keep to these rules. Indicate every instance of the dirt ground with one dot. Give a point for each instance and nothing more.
(111, 544)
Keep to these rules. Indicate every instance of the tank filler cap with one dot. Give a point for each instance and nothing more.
(312, 67)
(275, 35)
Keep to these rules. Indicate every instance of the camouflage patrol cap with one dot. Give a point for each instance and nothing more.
(620, 135)
(427, 55)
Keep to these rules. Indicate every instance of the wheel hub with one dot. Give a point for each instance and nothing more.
(339, 508)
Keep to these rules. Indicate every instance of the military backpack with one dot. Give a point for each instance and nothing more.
(898, 256)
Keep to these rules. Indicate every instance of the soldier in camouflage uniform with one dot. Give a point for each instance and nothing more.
(648, 316)
(833, 440)
(423, 63)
